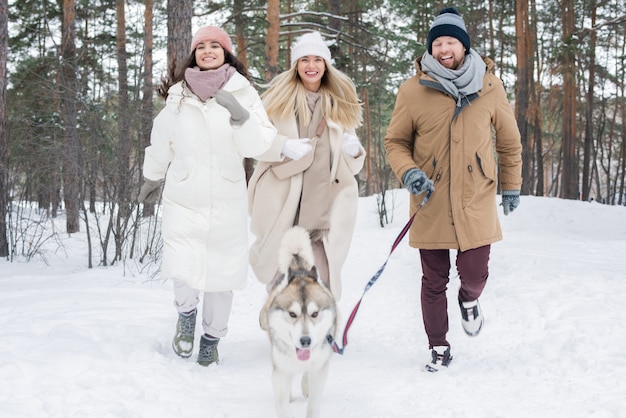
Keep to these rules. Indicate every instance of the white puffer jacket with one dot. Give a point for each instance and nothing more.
(205, 220)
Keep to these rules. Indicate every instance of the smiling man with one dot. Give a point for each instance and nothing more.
(439, 144)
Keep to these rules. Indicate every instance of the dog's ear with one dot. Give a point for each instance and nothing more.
(315, 274)
(293, 273)
(318, 279)
(302, 273)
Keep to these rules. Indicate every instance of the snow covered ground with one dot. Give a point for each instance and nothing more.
(76, 342)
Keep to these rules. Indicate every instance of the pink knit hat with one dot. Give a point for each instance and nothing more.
(212, 33)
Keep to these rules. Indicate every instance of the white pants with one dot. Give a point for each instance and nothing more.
(216, 307)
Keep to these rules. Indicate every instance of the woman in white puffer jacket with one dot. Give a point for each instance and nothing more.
(213, 118)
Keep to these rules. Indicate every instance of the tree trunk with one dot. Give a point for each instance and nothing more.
(368, 143)
(179, 13)
(569, 175)
(71, 146)
(123, 133)
(147, 113)
(271, 40)
(123, 118)
(536, 114)
(240, 24)
(523, 85)
(587, 154)
(622, 89)
(334, 25)
(4, 192)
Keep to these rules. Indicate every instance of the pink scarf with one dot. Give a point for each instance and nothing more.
(204, 83)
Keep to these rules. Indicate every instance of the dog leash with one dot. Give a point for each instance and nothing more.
(370, 283)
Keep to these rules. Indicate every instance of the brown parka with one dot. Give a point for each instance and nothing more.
(455, 147)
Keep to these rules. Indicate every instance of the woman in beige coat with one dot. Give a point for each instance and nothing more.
(307, 178)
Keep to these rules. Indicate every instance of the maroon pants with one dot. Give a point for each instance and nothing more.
(472, 266)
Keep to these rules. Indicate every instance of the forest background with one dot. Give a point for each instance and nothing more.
(78, 78)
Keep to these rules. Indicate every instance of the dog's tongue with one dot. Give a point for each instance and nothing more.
(303, 353)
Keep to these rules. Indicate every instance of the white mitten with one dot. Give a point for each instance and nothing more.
(351, 144)
(296, 148)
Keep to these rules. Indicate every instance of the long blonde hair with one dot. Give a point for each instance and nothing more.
(340, 102)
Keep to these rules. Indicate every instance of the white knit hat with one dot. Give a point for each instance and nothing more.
(310, 44)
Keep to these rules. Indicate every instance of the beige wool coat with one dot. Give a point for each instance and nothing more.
(273, 203)
(455, 147)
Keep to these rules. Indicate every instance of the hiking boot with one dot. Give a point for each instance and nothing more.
(472, 317)
(208, 350)
(185, 329)
(441, 358)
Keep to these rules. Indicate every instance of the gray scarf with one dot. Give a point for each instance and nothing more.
(459, 83)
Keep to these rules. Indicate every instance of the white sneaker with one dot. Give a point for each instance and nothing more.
(472, 317)
(440, 360)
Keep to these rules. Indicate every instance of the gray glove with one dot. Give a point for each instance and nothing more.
(150, 191)
(416, 182)
(510, 200)
(238, 115)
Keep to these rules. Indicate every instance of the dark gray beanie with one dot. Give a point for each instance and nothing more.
(448, 23)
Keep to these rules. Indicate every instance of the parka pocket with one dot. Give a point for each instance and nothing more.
(428, 166)
(480, 177)
(180, 169)
(487, 166)
(232, 174)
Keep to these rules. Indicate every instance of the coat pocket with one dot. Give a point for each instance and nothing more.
(232, 174)
(487, 166)
(180, 169)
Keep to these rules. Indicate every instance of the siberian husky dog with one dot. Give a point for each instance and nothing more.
(299, 314)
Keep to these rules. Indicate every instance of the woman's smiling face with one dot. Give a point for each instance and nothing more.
(209, 55)
(311, 69)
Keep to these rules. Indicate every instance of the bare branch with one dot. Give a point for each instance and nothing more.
(610, 22)
(309, 13)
